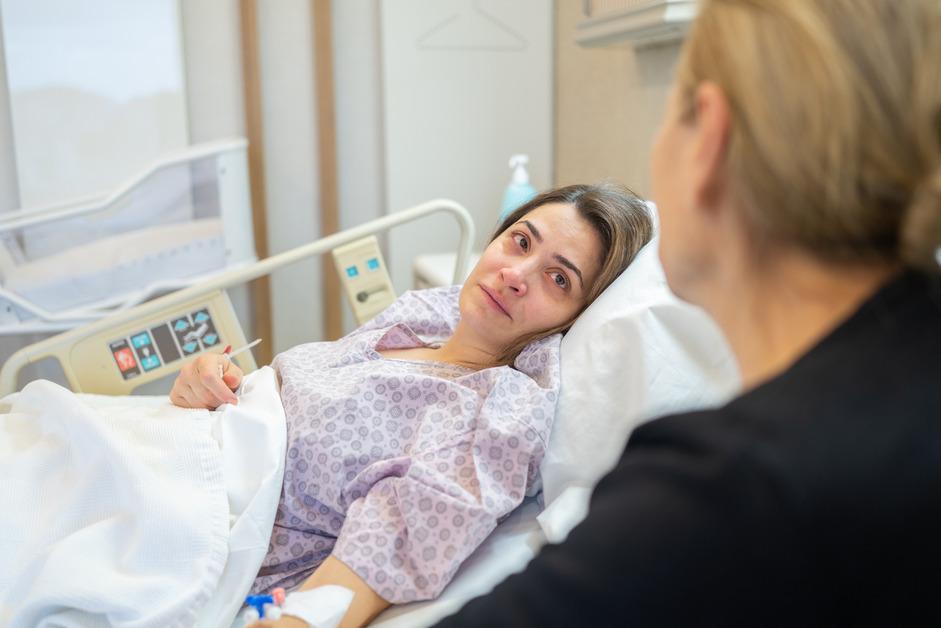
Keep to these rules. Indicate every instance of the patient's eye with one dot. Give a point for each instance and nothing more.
(522, 241)
(560, 280)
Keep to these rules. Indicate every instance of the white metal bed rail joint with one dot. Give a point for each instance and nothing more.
(52, 347)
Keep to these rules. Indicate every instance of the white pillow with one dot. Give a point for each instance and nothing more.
(635, 354)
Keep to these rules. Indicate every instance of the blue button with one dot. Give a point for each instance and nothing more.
(210, 339)
(189, 347)
(140, 340)
(181, 324)
(201, 317)
(372, 264)
(352, 271)
(150, 362)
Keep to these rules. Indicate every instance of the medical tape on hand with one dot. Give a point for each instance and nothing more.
(323, 607)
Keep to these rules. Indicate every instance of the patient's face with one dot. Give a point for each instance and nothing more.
(532, 277)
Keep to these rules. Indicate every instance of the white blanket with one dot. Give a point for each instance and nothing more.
(112, 506)
(114, 513)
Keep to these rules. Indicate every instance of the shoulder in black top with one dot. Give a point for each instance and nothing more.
(814, 499)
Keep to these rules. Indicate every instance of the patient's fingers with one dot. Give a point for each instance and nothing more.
(210, 385)
(232, 375)
(195, 399)
(200, 383)
(206, 398)
(180, 393)
(177, 398)
(197, 396)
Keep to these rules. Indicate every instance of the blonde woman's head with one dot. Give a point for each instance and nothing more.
(834, 141)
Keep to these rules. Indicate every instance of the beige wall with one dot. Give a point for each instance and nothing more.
(609, 102)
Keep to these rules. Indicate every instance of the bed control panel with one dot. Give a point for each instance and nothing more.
(364, 277)
(144, 350)
(118, 360)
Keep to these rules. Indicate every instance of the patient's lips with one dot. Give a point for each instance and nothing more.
(495, 301)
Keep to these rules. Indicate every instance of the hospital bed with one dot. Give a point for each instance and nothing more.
(635, 353)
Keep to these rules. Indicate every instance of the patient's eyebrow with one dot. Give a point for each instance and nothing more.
(559, 258)
(533, 228)
(565, 262)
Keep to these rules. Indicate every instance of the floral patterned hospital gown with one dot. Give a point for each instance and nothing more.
(401, 468)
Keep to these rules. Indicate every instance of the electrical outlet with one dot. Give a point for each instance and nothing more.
(364, 277)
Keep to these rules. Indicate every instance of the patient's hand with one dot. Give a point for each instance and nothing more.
(207, 382)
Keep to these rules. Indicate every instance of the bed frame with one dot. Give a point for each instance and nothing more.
(94, 356)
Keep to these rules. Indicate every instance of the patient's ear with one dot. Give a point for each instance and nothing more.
(713, 119)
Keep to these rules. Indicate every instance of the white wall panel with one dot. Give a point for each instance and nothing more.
(358, 93)
(289, 119)
(212, 54)
(467, 83)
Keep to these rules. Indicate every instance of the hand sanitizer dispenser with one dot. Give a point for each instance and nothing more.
(519, 190)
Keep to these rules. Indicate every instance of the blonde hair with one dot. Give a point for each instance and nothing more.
(621, 220)
(835, 143)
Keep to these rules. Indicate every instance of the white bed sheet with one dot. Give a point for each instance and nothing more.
(251, 438)
(115, 511)
(165, 512)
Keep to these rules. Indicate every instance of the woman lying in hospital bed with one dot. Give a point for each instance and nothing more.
(410, 438)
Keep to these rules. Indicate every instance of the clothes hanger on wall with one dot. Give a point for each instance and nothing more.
(472, 28)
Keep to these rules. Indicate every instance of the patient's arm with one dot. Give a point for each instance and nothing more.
(206, 382)
(366, 603)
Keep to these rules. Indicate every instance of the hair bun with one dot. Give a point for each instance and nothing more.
(920, 240)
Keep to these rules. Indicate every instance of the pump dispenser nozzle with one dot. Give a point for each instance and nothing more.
(518, 163)
(519, 190)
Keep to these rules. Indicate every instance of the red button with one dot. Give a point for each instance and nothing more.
(125, 359)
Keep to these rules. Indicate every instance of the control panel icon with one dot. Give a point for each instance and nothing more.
(124, 358)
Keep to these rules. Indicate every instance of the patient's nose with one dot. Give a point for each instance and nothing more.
(515, 279)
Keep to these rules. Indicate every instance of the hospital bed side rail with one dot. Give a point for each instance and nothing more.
(61, 346)
(219, 166)
(29, 217)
